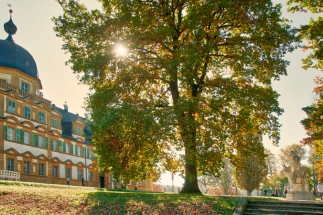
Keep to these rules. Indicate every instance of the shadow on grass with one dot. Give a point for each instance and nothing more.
(122, 201)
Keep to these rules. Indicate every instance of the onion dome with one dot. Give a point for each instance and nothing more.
(14, 56)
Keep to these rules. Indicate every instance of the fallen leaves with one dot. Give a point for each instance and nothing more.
(51, 200)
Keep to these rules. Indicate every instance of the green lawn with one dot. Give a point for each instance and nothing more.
(35, 198)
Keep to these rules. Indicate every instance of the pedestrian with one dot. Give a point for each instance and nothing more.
(320, 190)
(285, 190)
(83, 182)
(265, 192)
(68, 180)
(136, 188)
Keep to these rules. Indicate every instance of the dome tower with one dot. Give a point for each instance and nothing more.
(16, 57)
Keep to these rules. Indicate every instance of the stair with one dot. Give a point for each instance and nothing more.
(283, 207)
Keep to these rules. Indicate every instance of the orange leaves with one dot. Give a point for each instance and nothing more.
(304, 48)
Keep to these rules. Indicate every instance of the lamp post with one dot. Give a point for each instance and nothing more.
(85, 165)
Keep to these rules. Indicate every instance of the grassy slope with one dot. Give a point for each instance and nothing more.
(35, 198)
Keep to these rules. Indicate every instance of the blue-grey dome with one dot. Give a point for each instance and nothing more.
(15, 56)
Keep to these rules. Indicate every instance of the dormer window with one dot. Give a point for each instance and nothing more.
(27, 64)
(78, 131)
(24, 86)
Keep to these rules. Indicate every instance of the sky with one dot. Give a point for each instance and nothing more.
(35, 33)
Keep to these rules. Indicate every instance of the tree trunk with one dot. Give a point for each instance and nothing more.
(249, 192)
(190, 184)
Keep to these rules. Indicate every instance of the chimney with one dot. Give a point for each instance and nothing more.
(65, 107)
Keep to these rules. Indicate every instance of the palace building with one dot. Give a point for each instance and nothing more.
(42, 142)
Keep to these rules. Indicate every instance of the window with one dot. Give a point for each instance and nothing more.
(10, 134)
(78, 131)
(27, 63)
(54, 123)
(68, 172)
(79, 174)
(27, 167)
(41, 117)
(91, 176)
(11, 164)
(24, 86)
(26, 112)
(41, 169)
(78, 150)
(54, 145)
(26, 137)
(55, 171)
(41, 141)
(67, 148)
(11, 106)
(89, 153)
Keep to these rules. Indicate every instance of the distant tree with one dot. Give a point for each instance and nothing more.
(271, 162)
(223, 180)
(313, 160)
(195, 75)
(312, 32)
(249, 176)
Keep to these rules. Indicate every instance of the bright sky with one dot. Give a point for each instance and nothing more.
(35, 33)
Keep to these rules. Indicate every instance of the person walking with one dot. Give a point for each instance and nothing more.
(320, 190)
(265, 192)
(68, 180)
(83, 182)
(285, 190)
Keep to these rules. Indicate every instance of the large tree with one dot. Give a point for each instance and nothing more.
(196, 78)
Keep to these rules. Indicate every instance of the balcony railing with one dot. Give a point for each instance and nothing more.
(36, 98)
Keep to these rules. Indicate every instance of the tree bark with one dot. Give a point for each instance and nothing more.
(190, 183)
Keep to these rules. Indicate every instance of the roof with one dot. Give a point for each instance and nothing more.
(14, 56)
(67, 127)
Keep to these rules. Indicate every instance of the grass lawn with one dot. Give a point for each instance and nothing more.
(36, 198)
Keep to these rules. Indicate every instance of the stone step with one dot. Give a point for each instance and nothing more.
(273, 211)
(283, 207)
(285, 202)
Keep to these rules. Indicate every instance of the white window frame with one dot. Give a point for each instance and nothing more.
(27, 114)
(55, 171)
(26, 167)
(54, 147)
(79, 174)
(26, 137)
(67, 148)
(24, 87)
(41, 141)
(11, 109)
(10, 134)
(41, 169)
(54, 123)
(11, 164)
(41, 117)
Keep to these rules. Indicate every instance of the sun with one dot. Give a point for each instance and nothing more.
(121, 51)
